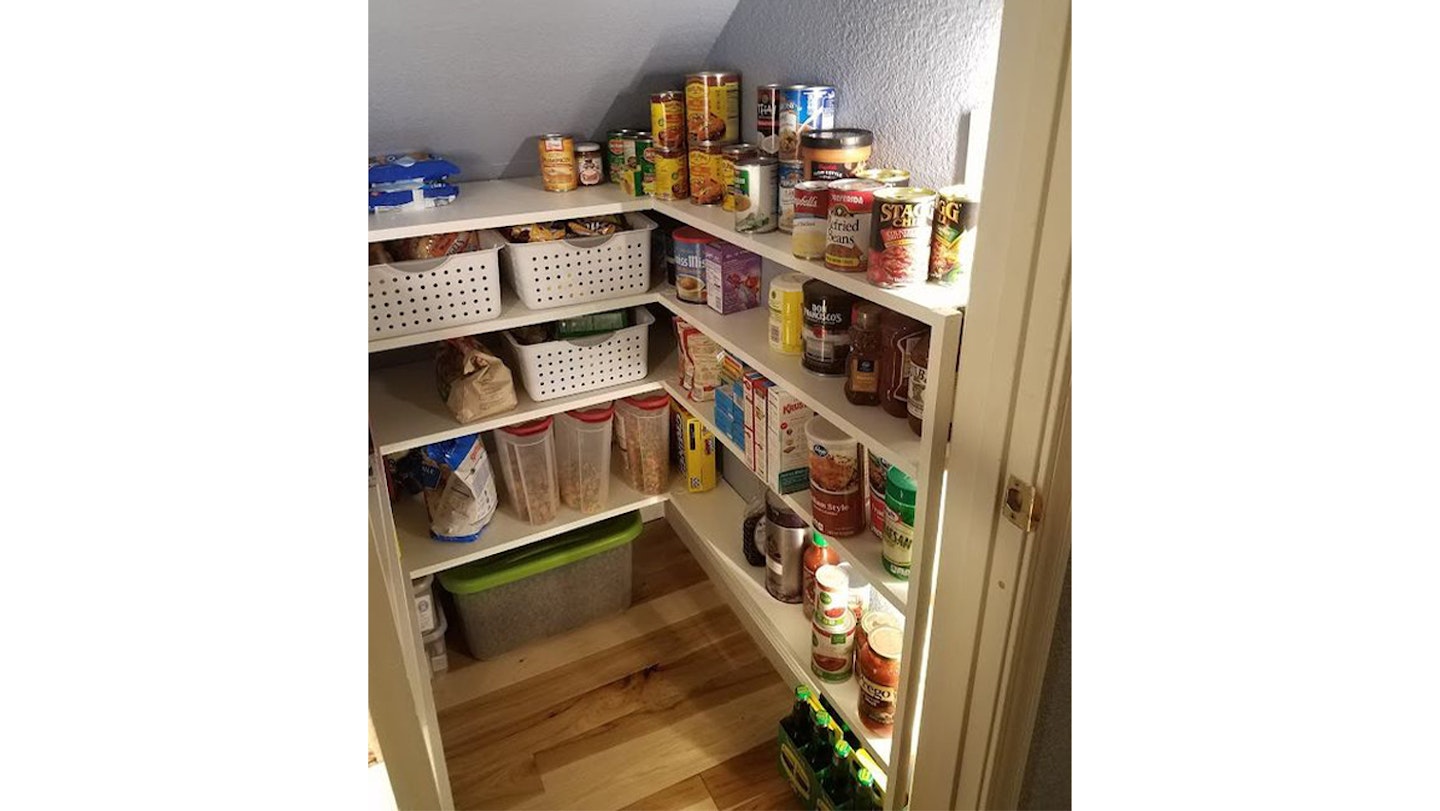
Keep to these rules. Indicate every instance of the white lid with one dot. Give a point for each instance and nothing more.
(885, 642)
(831, 578)
(875, 620)
(818, 429)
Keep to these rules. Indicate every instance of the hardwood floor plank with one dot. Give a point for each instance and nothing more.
(751, 781)
(687, 795)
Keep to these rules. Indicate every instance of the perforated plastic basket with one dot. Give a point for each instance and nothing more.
(557, 368)
(426, 294)
(576, 269)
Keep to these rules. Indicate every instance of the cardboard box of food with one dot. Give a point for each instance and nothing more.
(787, 468)
(699, 457)
(732, 278)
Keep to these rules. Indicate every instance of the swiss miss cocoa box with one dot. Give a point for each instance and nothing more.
(732, 278)
(787, 467)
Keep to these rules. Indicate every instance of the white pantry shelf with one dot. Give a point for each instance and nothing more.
(746, 334)
(929, 303)
(497, 203)
(421, 555)
(406, 410)
(709, 524)
(863, 551)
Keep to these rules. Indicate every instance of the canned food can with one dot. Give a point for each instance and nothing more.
(893, 178)
(667, 119)
(589, 164)
(847, 228)
(632, 162)
(952, 243)
(645, 151)
(787, 314)
(705, 188)
(712, 107)
(767, 122)
(557, 162)
(812, 210)
(900, 245)
(802, 108)
(615, 154)
(832, 597)
(672, 175)
(832, 650)
(876, 470)
(755, 192)
(791, 172)
(729, 155)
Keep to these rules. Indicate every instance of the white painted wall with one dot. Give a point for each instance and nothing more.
(907, 70)
(478, 80)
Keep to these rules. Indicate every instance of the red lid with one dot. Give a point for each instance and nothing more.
(649, 402)
(688, 234)
(529, 428)
(594, 413)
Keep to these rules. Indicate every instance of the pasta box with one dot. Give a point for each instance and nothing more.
(732, 278)
(787, 457)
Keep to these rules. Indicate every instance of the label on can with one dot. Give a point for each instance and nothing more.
(915, 398)
(803, 108)
(712, 107)
(808, 229)
(831, 651)
(728, 156)
(615, 154)
(667, 119)
(895, 551)
(557, 163)
(952, 243)
(900, 244)
(767, 102)
(791, 173)
(755, 191)
(705, 188)
(847, 230)
(672, 175)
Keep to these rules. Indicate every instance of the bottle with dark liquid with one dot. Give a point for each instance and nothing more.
(838, 782)
(897, 334)
(817, 751)
(867, 798)
(799, 723)
(862, 367)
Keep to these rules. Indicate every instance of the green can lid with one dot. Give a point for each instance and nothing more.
(899, 486)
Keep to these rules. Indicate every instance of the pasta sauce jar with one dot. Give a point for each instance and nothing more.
(847, 228)
(835, 154)
(879, 666)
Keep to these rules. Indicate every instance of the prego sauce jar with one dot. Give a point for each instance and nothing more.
(879, 666)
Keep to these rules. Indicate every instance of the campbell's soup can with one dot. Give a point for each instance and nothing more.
(767, 121)
(802, 108)
(832, 650)
(667, 119)
(712, 107)
(812, 209)
(847, 228)
(557, 162)
(791, 172)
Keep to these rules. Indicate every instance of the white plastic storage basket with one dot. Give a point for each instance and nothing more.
(426, 294)
(558, 368)
(578, 269)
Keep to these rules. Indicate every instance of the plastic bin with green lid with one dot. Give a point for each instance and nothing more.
(545, 588)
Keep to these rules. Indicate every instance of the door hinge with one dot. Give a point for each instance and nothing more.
(1022, 504)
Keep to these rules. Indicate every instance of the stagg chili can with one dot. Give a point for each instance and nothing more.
(802, 108)
(667, 119)
(952, 243)
(847, 228)
(812, 208)
(712, 107)
(557, 162)
(791, 172)
(900, 245)
(767, 122)
(672, 175)
(705, 187)
(755, 191)
(729, 156)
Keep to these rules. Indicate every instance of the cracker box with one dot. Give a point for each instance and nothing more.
(787, 458)
(699, 457)
(732, 278)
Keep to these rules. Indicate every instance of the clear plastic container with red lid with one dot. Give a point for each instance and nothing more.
(582, 449)
(642, 434)
(528, 469)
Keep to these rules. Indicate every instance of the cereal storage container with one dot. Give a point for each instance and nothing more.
(642, 433)
(527, 466)
(582, 447)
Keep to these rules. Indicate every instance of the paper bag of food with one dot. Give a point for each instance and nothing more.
(473, 382)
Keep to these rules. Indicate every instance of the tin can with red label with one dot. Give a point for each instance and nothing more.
(847, 227)
(900, 247)
(767, 103)
(807, 230)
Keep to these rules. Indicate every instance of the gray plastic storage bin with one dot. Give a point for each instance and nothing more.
(545, 588)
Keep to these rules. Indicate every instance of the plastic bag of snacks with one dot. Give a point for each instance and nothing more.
(473, 382)
(699, 362)
(459, 488)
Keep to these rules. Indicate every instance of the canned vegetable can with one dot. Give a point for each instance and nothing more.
(900, 241)
(728, 157)
(952, 243)
(756, 186)
(791, 172)
(615, 154)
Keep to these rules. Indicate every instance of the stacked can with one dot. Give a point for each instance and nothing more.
(802, 108)
(812, 211)
(832, 642)
(754, 193)
(729, 156)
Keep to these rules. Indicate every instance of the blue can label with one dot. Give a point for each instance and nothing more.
(803, 109)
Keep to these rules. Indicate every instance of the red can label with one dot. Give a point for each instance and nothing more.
(847, 231)
(812, 200)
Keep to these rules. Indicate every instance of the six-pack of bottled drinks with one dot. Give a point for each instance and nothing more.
(822, 758)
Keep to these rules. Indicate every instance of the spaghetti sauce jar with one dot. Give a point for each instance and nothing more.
(897, 334)
(862, 368)
(879, 666)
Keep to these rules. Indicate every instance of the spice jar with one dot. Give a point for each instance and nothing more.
(836, 153)
(879, 666)
(827, 328)
(862, 375)
(589, 163)
(642, 433)
(899, 523)
(897, 334)
(582, 447)
(915, 397)
(836, 502)
(818, 552)
(527, 466)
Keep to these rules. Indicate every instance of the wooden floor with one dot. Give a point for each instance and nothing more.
(667, 706)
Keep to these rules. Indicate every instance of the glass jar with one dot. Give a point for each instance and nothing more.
(915, 398)
(897, 333)
(827, 328)
(862, 375)
(589, 163)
